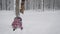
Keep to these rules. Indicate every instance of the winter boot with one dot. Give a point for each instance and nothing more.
(13, 29)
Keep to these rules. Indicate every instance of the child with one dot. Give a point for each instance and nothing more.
(17, 23)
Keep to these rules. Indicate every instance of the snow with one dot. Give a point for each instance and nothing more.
(34, 22)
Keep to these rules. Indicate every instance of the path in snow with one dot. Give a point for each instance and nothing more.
(33, 22)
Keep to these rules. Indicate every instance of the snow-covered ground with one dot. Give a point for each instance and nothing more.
(34, 22)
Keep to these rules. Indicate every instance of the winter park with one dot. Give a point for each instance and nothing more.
(38, 16)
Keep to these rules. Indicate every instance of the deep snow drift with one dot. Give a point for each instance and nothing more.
(34, 22)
